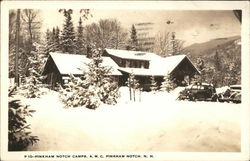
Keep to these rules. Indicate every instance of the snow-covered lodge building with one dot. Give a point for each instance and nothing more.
(123, 62)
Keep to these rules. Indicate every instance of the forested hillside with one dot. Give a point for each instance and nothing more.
(198, 49)
(219, 60)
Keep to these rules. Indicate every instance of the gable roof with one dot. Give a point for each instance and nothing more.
(167, 64)
(159, 66)
(74, 64)
(128, 54)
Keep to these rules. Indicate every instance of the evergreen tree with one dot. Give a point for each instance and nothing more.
(80, 43)
(175, 46)
(53, 34)
(57, 39)
(49, 45)
(174, 50)
(99, 81)
(217, 62)
(33, 82)
(153, 86)
(94, 88)
(233, 75)
(68, 34)
(167, 83)
(18, 136)
(133, 43)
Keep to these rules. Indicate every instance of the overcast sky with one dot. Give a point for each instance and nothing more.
(190, 26)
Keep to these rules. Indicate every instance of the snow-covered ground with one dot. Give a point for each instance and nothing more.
(158, 123)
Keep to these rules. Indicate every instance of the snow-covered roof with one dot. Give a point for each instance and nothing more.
(157, 64)
(74, 64)
(128, 54)
(157, 67)
(166, 65)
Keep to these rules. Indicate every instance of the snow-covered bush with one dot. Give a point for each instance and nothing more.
(30, 88)
(18, 136)
(94, 88)
(73, 93)
(196, 79)
(168, 83)
(109, 91)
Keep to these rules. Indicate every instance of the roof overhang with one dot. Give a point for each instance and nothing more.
(68, 64)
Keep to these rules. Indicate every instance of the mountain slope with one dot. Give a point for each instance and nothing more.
(199, 49)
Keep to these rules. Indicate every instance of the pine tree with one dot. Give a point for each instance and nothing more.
(52, 43)
(57, 40)
(133, 43)
(73, 93)
(217, 62)
(33, 82)
(68, 34)
(53, 34)
(233, 75)
(153, 86)
(80, 43)
(18, 136)
(49, 42)
(174, 44)
(99, 81)
(168, 83)
(94, 88)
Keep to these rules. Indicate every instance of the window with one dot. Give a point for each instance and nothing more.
(65, 79)
(123, 63)
(142, 65)
(131, 63)
(127, 63)
(136, 64)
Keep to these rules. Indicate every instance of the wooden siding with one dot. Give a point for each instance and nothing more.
(185, 68)
(52, 73)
